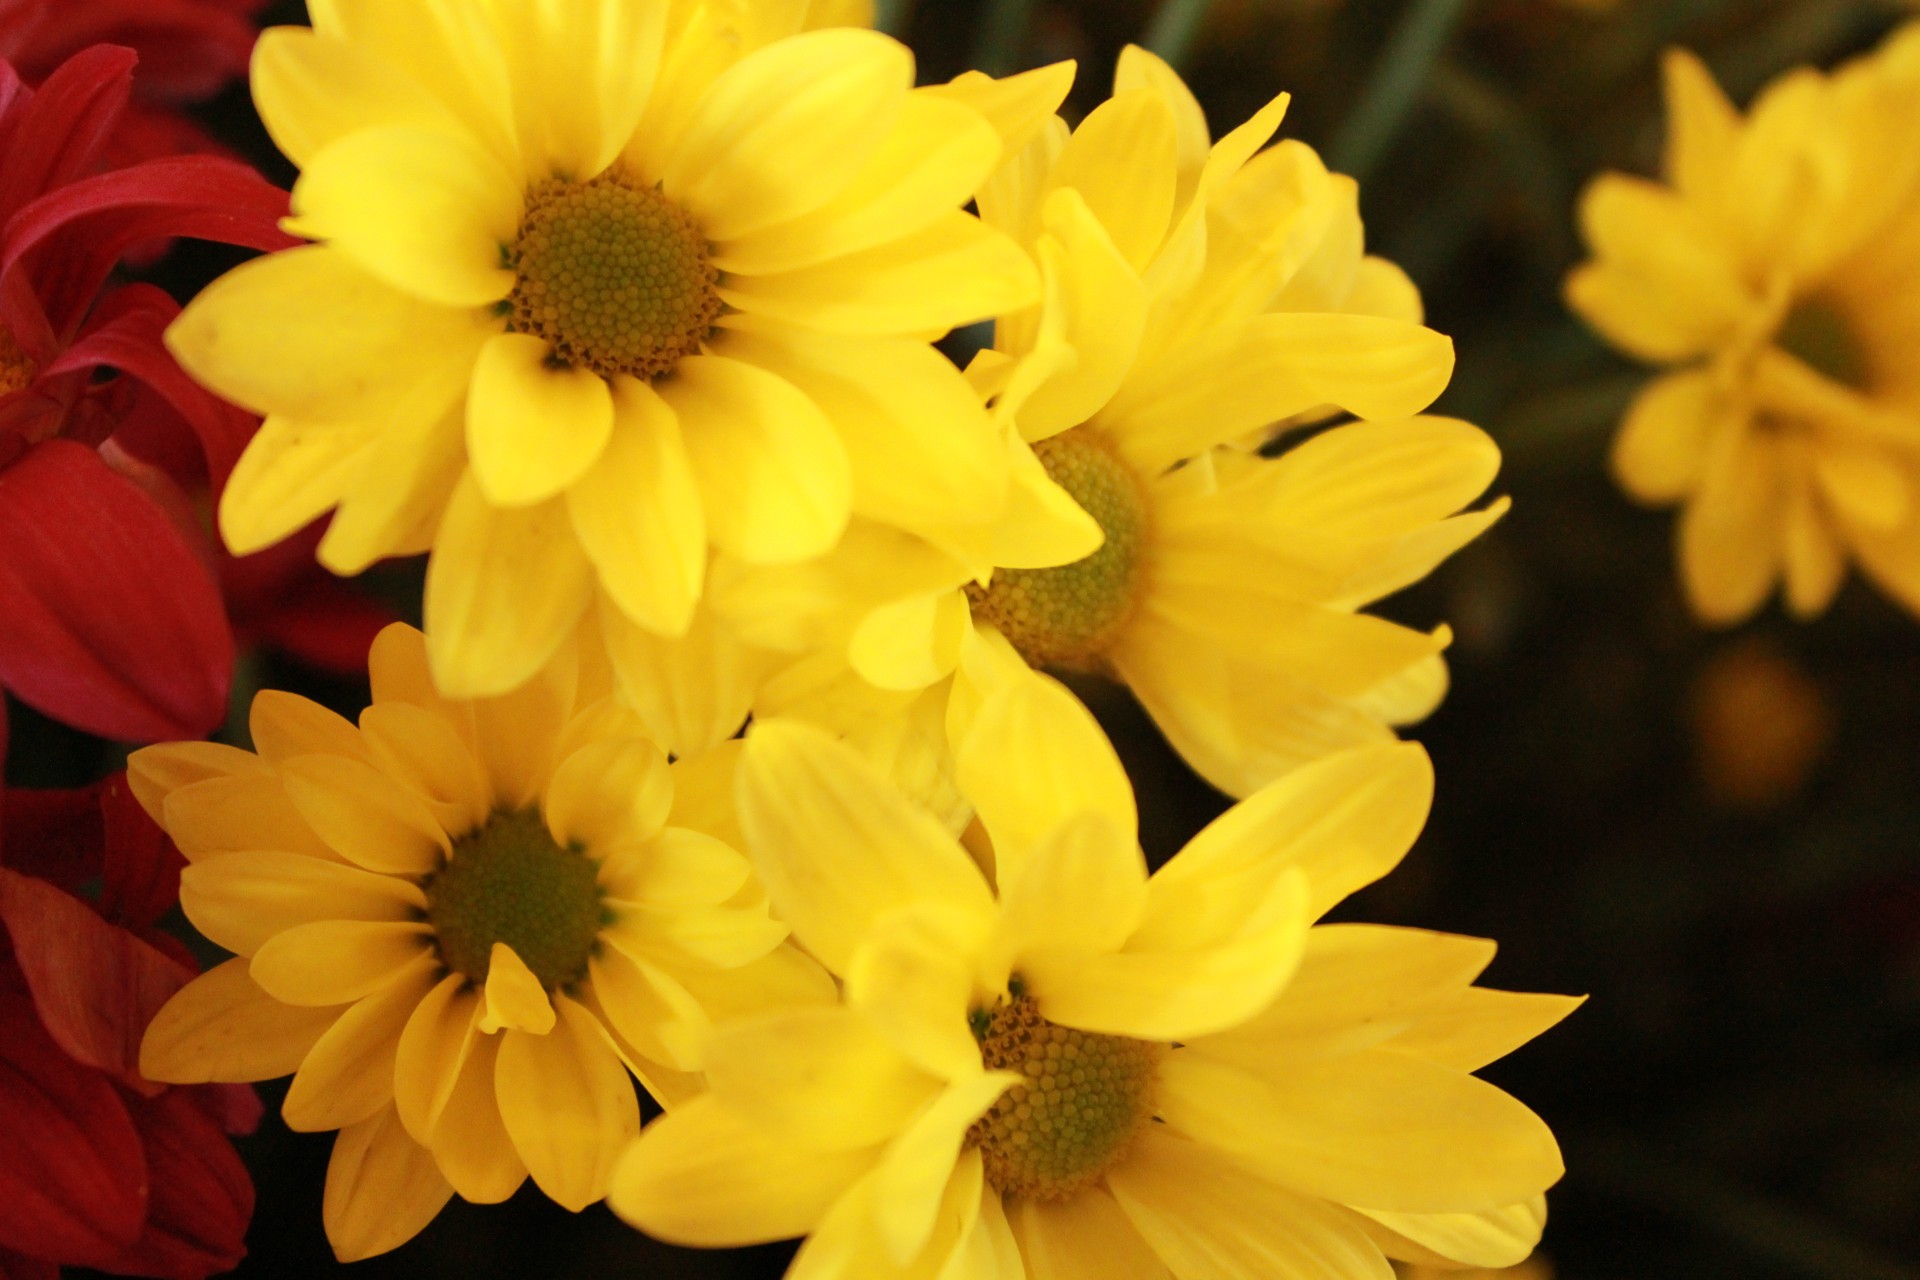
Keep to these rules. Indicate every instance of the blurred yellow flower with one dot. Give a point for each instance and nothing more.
(1087, 1070)
(1198, 296)
(460, 926)
(545, 231)
(1779, 270)
(1531, 1269)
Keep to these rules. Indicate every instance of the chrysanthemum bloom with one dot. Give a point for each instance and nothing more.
(600, 284)
(1196, 296)
(1090, 1072)
(189, 50)
(101, 1167)
(1778, 271)
(112, 619)
(460, 926)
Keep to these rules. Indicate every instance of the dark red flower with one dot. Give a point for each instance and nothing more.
(102, 1168)
(114, 620)
(189, 50)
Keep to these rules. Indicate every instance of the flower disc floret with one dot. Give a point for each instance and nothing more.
(1064, 616)
(1084, 1099)
(508, 881)
(613, 274)
(16, 369)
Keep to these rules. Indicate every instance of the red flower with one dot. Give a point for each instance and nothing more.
(101, 1168)
(114, 622)
(189, 50)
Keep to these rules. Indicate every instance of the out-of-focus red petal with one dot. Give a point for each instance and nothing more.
(124, 333)
(200, 1197)
(69, 239)
(188, 48)
(114, 624)
(141, 866)
(73, 1183)
(15, 1266)
(325, 624)
(63, 127)
(95, 985)
(55, 835)
(236, 1108)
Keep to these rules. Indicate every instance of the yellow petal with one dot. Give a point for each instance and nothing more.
(1084, 1237)
(470, 1143)
(1042, 526)
(240, 900)
(583, 72)
(1702, 126)
(1497, 1238)
(334, 962)
(1083, 888)
(420, 749)
(1479, 1026)
(822, 1079)
(1375, 480)
(504, 591)
(1246, 374)
(1017, 106)
(1206, 1216)
(222, 1027)
(1730, 532)
(155, 772)
(952, 272)
(348, 1074)
(568, 1104)
(1033, 758)
(1661, 450)
(786, 128)
(405, 477)
(914, 1177)
(650, 1009)
(609, 795)
(913, 979)
(1122, 161)
(1375, 1128)
(1105, 314)
(291, 473)
(638, 514)
(518, 734)
(1345, 822)
(1178, 994)
(382, 1188)
(930, 162)
(398, 669)
(1812, 561)
(533, 428)
(237, 813)
(514, 999)
(692, 693)
(678, 868)
(836, 844)
(910, 643)
(1141, 69)
(773, 474)
(1866, 484)
(311, 90)
(284, 725)
(365, 816)
(432, 1053)
(705, 1176)
(420, 208)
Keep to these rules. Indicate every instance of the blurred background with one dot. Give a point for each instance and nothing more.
(1715, 835)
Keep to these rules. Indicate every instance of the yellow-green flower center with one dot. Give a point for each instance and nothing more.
(508, 881)
(1822, 336)
(1084, 1098)
(1065, 616)
(16, 370)
(613, 274)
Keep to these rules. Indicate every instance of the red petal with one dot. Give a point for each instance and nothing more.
(124, 333)
(69, 239)
(236, 1108)
(54, 835)
(61, 129)
(201, 1197)
(16, 1266)
(73, 1185)
(141, 867)
(95, 985)
(114, 624)
(327, 625)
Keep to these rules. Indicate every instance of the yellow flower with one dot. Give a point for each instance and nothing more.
(1089, 1071)
(545, 231)
(1195, 295)
(1778, 271)
(460, 926)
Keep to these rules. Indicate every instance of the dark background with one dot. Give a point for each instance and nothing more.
(1713, 834)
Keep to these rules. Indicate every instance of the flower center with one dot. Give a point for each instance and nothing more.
(1821, 335)
(1084, 1098)
(16, 370)
(613, 274)
(1065, 616)
(507, 881)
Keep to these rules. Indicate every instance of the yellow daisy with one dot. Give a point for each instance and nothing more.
(1079, 1070)
(1777, 270)
(460, 926)
(1194, 294)
(545, 230)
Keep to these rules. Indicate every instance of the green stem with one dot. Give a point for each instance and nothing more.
(1175, 28)
(1395, 85)
(892, 17)
(1002, 40)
